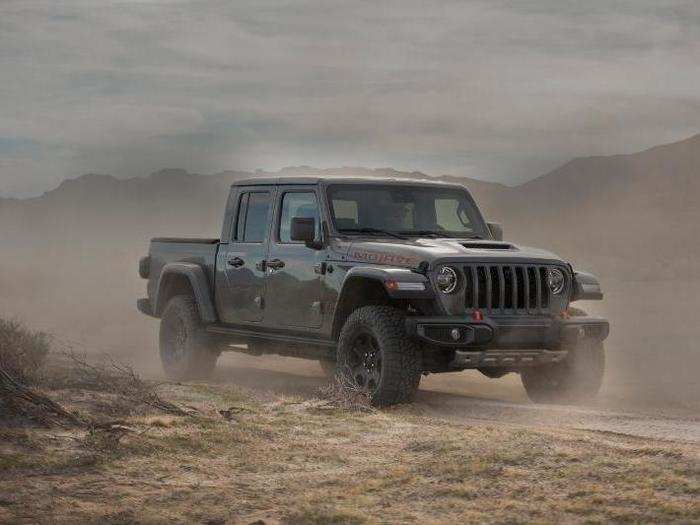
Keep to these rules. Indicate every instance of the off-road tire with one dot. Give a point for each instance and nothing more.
(576, 379)
(186, 350)
(400, 357)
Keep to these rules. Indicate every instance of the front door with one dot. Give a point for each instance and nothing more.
(243, 258)
(294, 271)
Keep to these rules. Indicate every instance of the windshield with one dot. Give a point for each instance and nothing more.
(404, 210)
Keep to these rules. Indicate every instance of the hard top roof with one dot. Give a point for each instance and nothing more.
(273, 181)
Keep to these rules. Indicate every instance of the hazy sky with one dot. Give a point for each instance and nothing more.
(496, 90)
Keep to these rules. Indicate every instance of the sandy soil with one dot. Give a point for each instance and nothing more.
(468, 397)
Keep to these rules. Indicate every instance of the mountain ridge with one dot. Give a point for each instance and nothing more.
(692, 142)
(603, 210)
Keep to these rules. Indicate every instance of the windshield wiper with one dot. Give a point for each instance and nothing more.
(426, 232)
(371, 230)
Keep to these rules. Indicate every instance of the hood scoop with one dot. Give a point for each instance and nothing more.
(488, 245)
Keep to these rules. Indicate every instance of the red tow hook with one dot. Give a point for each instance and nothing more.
(477, 315)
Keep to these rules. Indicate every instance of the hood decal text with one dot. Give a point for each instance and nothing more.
(383, 258)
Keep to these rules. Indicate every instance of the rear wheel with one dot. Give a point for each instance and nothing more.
(186, 350)
(376, 356)
(577, 378)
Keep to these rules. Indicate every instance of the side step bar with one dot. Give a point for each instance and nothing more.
(244, 334)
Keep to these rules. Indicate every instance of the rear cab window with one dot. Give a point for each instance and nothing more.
(252, 220)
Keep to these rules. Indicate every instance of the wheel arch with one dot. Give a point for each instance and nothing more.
(185, 279)
(359, 289)
(367, 285)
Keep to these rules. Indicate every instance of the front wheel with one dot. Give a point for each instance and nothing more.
(377, 357)
(186, 350)
(577, 378)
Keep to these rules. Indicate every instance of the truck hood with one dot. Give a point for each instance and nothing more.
(411, 252)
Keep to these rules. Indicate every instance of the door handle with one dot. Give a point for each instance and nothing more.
(275, 264)
(236, 262)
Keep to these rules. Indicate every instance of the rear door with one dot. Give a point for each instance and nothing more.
(294, 271)
(241, 261)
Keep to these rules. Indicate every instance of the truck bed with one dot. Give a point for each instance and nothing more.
(165, 250)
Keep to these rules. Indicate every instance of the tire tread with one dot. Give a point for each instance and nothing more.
(203, 355)
(401, 360)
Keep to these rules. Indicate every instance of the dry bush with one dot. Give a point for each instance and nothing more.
(22, 351)
(77, 371)
(22, 355)
(345, 394)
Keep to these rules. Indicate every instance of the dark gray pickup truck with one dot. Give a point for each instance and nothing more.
(381, 281)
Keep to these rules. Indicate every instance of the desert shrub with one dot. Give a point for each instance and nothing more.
(346, 395)
(22, 351)
(80, 372)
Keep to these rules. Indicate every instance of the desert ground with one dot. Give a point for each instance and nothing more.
(267, 440)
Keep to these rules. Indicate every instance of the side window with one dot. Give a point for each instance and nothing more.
(253, 220)
(297, 204)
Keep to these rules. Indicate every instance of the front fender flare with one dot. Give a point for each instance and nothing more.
(586, 287)
(194, 273)
(399, 283)
(388, 278)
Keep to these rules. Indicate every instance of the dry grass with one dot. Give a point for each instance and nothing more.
(110, 388)
(300, 460)
(97, 391)
(80, 373)
(138, 456)
(22, 351)
(346, 395)
(22, 356)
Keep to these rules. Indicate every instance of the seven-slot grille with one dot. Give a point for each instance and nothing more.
(507, 288)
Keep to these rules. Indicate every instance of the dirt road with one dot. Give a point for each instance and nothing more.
(470, 398)
(469, 409)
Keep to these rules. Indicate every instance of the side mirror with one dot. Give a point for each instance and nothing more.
(496, 230)
(304, 229)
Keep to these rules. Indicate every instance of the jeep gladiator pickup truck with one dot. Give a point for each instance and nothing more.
(381, 281)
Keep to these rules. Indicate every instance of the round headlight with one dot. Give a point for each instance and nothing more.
(447, 280)
(556, 280)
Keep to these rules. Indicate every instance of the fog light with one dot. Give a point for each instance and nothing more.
(456, 334)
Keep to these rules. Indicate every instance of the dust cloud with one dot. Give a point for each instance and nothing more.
(68, 265)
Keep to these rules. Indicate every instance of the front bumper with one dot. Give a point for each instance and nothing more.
(505, 333)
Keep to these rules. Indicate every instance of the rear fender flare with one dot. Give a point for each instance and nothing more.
(199, 283)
